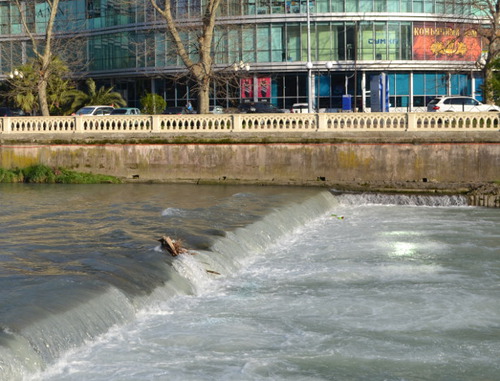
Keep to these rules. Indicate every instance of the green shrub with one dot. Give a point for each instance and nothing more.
(70, 177)
(152, 104)
(12, 176)
(39, 174)
(46, 175)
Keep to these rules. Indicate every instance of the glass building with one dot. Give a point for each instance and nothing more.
(425, 48)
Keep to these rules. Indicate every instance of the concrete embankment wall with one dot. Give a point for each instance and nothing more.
(325, 163)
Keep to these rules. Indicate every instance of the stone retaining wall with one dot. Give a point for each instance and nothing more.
(275, 162)
(487, 195)
(388, 162)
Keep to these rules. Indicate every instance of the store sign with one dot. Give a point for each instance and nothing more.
(445, 42)
(379, 45)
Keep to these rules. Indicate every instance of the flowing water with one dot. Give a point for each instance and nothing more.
(284, 284)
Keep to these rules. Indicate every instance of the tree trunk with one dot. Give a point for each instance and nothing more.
(202, 69)
(43, 57)
(42, 96)
(204, 96)
(487, 84)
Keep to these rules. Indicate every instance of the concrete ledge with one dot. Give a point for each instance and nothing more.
(420, 137)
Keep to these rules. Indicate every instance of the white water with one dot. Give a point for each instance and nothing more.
(387, 293)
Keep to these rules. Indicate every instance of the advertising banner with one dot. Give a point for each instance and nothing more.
(264, 88)
(445, 42)
(246, 86)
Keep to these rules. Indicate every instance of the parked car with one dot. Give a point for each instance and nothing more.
(459, 103)
(126, 111)
(175, 111)
(216, 110)
(300, 108)
(7, 111)
(258, 108)
(95, 110)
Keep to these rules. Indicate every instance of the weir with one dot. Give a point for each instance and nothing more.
(35, 335)
(39, 333)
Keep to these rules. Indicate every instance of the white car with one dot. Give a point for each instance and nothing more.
(95, 110)
(459, 103)
(300, 108)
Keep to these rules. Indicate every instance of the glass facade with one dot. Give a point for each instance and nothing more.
(124, 43)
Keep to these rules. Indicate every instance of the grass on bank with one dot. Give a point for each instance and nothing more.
(41, 174)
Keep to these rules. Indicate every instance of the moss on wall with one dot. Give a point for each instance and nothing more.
(269, 163)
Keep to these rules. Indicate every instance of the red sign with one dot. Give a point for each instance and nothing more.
(246, 88)
(264, 88)
(445, 42)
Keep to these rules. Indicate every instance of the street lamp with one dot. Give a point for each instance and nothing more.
(329, 66)
(16, 74)
(310, 84)
(244, 67)
(241, 66)
(309, 65)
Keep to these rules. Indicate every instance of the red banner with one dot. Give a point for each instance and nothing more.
(246, 86)
(445, 42)
(264, 88)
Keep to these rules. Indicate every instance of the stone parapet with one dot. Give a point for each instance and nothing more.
(251, 123)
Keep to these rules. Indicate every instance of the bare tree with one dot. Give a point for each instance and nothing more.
(199, 65)
(43, 52)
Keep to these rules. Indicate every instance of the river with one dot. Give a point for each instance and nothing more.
(280, 283)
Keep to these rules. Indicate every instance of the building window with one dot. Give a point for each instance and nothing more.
(326, 42)
(248, 43)
(263, 44)
(366, 5)
(395, 6)
(278, 52)
(93, 9)
(293, 42)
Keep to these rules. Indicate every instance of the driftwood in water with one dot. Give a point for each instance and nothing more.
(173, 247)
(212, 272)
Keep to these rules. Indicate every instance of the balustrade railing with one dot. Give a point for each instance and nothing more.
(158, 124)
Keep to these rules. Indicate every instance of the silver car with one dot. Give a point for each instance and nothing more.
(126, 111)
(216, 110)
(459, 103)
(95, 110)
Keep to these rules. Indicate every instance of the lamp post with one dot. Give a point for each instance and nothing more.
(329, 66)
(309, 65)
(356, 31)
(243, 67)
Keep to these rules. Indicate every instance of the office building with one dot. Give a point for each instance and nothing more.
(424, 48)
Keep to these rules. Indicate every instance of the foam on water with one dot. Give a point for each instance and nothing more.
(64, 327)
(173, 212)
(388, 292)
(399, 199)
(330, 299)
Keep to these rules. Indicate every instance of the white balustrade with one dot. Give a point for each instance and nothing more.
(209, 123)
(194, 123)
(376, 121)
